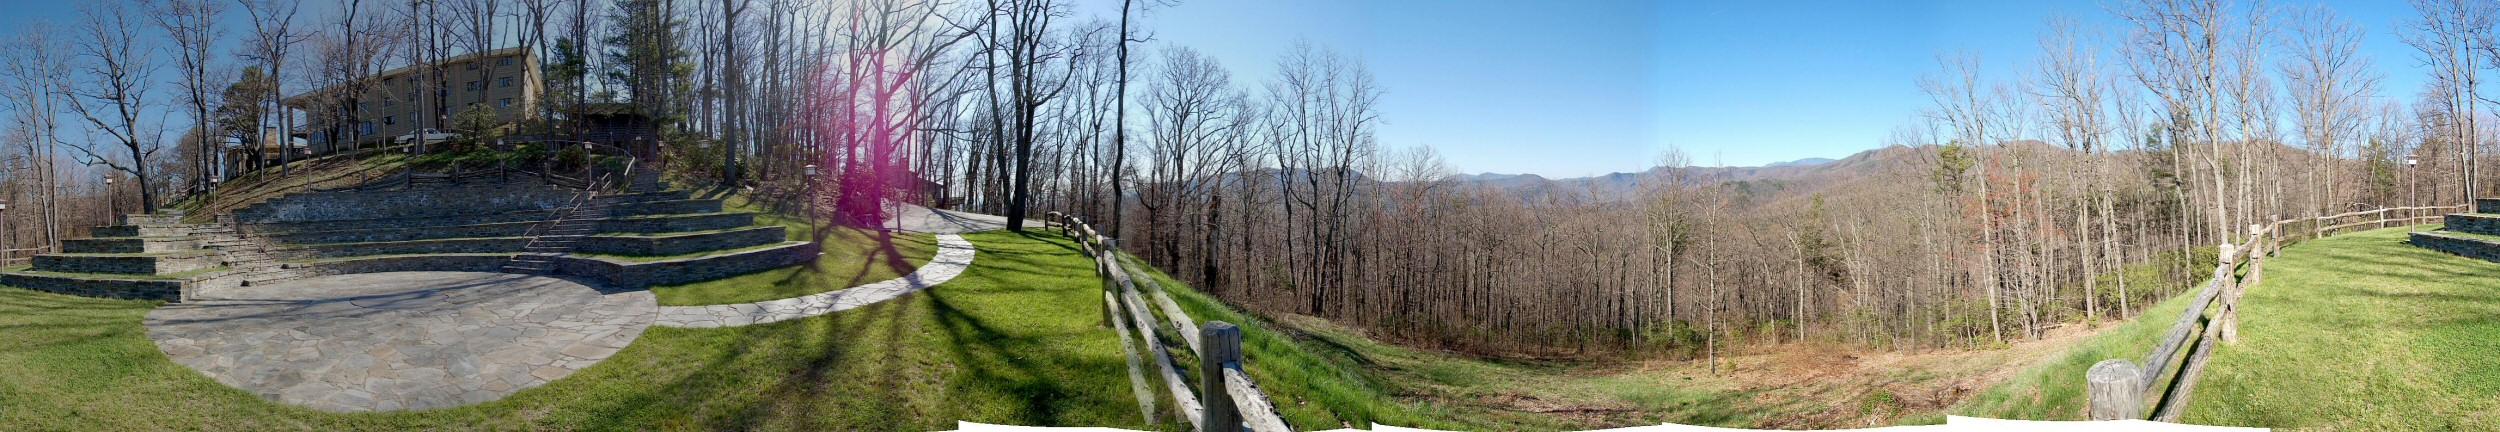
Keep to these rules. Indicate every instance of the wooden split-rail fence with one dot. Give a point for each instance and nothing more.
(2118, 387)
(1226, 398)
(11, 257)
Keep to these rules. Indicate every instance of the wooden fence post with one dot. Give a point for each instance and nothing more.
(2231, 283)
(1218, 343)
(2116, 389)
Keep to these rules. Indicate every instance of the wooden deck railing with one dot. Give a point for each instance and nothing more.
(2117, 387)
(1226, 398)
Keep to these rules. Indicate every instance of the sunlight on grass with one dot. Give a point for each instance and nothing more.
(2362, 332)
(1017, 339)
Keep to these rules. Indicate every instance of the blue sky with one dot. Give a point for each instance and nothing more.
(1567, 88)
(1570, 88)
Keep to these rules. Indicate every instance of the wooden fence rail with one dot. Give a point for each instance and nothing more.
(11, 257)
(1226, 398)
(2117, 387)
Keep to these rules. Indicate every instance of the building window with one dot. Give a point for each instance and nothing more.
(503, 82)
(389, 120)
(505, 103)
(503, 61)
(365, 128)
(388, 102)
(471, 65)
(473, 85)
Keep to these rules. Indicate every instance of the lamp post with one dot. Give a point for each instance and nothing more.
(810, 178)
(8, 243)
(112, 197)
(2412, 193)
(585, 164)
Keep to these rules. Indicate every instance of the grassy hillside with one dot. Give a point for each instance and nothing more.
(1324, 375)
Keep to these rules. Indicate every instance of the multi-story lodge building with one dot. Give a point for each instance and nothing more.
(506, 82)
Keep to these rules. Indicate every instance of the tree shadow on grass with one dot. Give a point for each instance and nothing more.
(978, 348)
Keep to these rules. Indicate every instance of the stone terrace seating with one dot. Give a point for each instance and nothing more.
(2474, 235)
(646, 238)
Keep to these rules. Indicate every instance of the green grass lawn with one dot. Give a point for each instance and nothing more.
(852, 257)
(2362, 332)
(2353, 332)
(1017, 340)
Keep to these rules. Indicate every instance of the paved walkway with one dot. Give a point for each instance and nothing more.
(915, 218)
(392, 341)
(953, 256)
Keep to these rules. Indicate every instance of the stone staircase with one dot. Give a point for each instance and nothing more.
(247, 257)
(144, 256)
(570, 226)
(640, 235)
(2473, 235)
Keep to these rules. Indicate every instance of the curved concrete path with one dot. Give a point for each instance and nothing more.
(915, 218)
(405, 340)
(954, 254)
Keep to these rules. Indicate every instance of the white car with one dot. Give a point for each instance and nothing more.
(429, 135)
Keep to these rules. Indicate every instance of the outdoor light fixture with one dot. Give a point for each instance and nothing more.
(811, 170)
(2409, 160)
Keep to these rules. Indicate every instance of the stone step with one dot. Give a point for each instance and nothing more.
(2487, 205)
(2476, 223)
(129, 244)
(172, 290)
(269, 277)
(133, 264)
(143, 230)
(151, 219)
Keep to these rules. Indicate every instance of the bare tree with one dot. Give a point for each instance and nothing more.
(2330, 84)
(38, 68)
(274, 37)
(118, 66)
(2452, 37)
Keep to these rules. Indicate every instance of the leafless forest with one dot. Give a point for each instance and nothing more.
(2075, 189)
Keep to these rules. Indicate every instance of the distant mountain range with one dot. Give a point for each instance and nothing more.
(1613, 186)
(1495, 177)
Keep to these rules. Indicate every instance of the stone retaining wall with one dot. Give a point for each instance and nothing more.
(506, 229)
(172, 290)
(128, 245)
(690, 206)
(664, 224)
(637, 275)
(142, 231)
(460, 262)
(666, 195)
(2462, 246)
(2487, 205)
(439, 246)
(407, 203)
(126, 264)
(2473, 223)
(149, 219)
(434, 221)
(681, 244)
